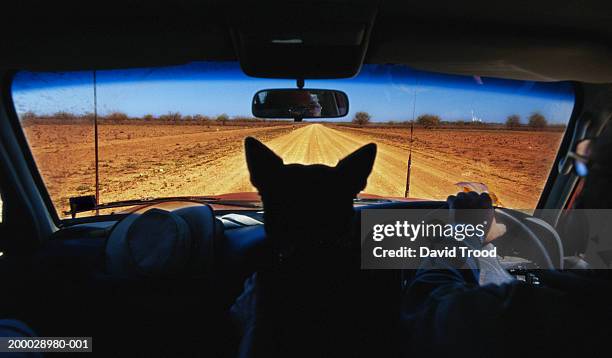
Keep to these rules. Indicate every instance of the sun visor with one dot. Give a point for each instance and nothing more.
(310, 43)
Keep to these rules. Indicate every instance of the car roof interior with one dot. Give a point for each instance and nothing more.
(541, 41)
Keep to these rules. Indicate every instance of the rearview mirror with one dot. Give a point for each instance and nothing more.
(300, 103)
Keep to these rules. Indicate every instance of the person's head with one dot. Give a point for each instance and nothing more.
(596, 193)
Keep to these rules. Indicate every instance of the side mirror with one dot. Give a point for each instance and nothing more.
(300, 103)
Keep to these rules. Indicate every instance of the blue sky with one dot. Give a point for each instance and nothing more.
(387, 92)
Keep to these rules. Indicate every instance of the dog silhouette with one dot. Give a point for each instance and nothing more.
(312, 299)
(308, 208)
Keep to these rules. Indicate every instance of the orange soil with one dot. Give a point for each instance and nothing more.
(156, 160)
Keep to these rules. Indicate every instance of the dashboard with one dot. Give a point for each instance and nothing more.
(238, 248)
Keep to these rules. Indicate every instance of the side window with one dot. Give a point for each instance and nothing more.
(1, 208)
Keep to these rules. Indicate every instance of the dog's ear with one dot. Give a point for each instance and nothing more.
(262, 162)
(357, 166)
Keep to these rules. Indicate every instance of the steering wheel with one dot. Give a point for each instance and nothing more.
(546, 261)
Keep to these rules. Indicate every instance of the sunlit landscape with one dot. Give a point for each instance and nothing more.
(144, 159)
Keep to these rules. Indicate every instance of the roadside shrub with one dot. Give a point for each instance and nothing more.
(246, 119)
(200, 118)
(222, 118)
(63, 115)
(537, 120)
(148, 117)
(428, 120)
(362, 118)
(117, 117)
(513, 121)
(171, 117)
(88, 116)
(28, 115)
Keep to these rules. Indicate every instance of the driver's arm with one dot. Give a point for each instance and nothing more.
(441, 272)
(445, 310)
(444, 304)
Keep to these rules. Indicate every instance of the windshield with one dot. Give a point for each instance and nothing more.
(179, 131)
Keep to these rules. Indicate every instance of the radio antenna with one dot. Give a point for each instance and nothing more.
(416, 86)
(95, 98)
(409, 163)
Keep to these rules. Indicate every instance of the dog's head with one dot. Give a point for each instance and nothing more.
(307, 205)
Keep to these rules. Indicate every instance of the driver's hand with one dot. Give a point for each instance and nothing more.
(474, 208)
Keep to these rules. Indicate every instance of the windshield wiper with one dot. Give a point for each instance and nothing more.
(88, 203)
(372, 200)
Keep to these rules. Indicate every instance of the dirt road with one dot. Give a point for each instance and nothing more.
(316, 143)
